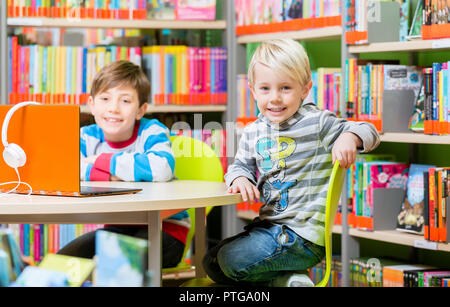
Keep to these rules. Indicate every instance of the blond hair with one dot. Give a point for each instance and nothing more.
(122, 73)
(285, 55)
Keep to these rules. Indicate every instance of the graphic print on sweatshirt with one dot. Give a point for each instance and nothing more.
(274, 153)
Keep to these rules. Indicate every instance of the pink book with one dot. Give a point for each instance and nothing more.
(196, 9)
(383, 175)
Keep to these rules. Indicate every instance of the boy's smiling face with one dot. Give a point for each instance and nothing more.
(278, 95)
(116, 110)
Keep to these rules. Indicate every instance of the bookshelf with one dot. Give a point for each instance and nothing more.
(408, 46)
(351, 237)
(415, 138)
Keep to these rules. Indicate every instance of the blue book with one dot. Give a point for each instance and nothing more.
(85, 51)
(121, 261)
(39, 277)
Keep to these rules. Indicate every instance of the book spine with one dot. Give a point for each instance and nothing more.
(426, 199)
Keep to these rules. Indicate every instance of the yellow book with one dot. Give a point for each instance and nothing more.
(77, 269)
(63, 71)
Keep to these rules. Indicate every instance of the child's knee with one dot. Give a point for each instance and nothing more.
(232, 265)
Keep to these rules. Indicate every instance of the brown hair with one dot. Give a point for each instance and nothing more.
(122, 73)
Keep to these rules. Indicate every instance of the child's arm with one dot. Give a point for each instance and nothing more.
(241, 175)
(155, 164)
(344, 138)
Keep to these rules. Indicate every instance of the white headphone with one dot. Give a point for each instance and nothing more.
(13, 154)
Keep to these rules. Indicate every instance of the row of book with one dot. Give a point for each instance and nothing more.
(325, 92)
(215, 138)
(186, 75)
(359, 14)
(115, 9)
(382, 272)
(60, 74)
(37, 240)
(426, 19)
(366, 175)
(400, 274)
(246, 104)
(433, 105)
(326, 89)
(366, 83)
(317, 273)
(436, 203)
(254, 12)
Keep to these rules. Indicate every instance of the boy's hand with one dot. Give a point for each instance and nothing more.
(248, 190)
(114, 178)
(344, 149)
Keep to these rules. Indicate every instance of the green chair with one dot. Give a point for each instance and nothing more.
(334, 193)
(194, 160)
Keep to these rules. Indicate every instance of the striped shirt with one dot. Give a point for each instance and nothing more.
(290, 163)
(146, 156)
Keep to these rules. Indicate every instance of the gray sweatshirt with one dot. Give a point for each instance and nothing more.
(290, 163)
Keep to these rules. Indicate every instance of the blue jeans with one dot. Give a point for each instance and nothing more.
(260, 254)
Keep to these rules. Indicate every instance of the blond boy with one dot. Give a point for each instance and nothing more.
(292, 147)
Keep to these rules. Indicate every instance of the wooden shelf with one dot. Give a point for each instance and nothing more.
(397, 237)
(175, 108)
(311, 34)
(115, 23)
(415, 138)
(414, 45)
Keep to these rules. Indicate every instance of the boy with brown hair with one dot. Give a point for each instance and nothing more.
(125, 146)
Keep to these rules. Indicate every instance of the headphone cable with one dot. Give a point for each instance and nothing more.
(15, 188)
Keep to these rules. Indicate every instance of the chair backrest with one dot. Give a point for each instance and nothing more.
(334, 193)
(195, 160)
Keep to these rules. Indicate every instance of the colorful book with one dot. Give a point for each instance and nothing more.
(411, 216)
(121, 261)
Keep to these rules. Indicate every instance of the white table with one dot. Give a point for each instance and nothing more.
(146, 207)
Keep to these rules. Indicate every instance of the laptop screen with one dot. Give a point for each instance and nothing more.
(50, 137)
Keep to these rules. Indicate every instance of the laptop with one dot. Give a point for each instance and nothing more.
(50, 137)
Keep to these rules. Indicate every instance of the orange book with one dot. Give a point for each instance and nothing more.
(50, 239)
